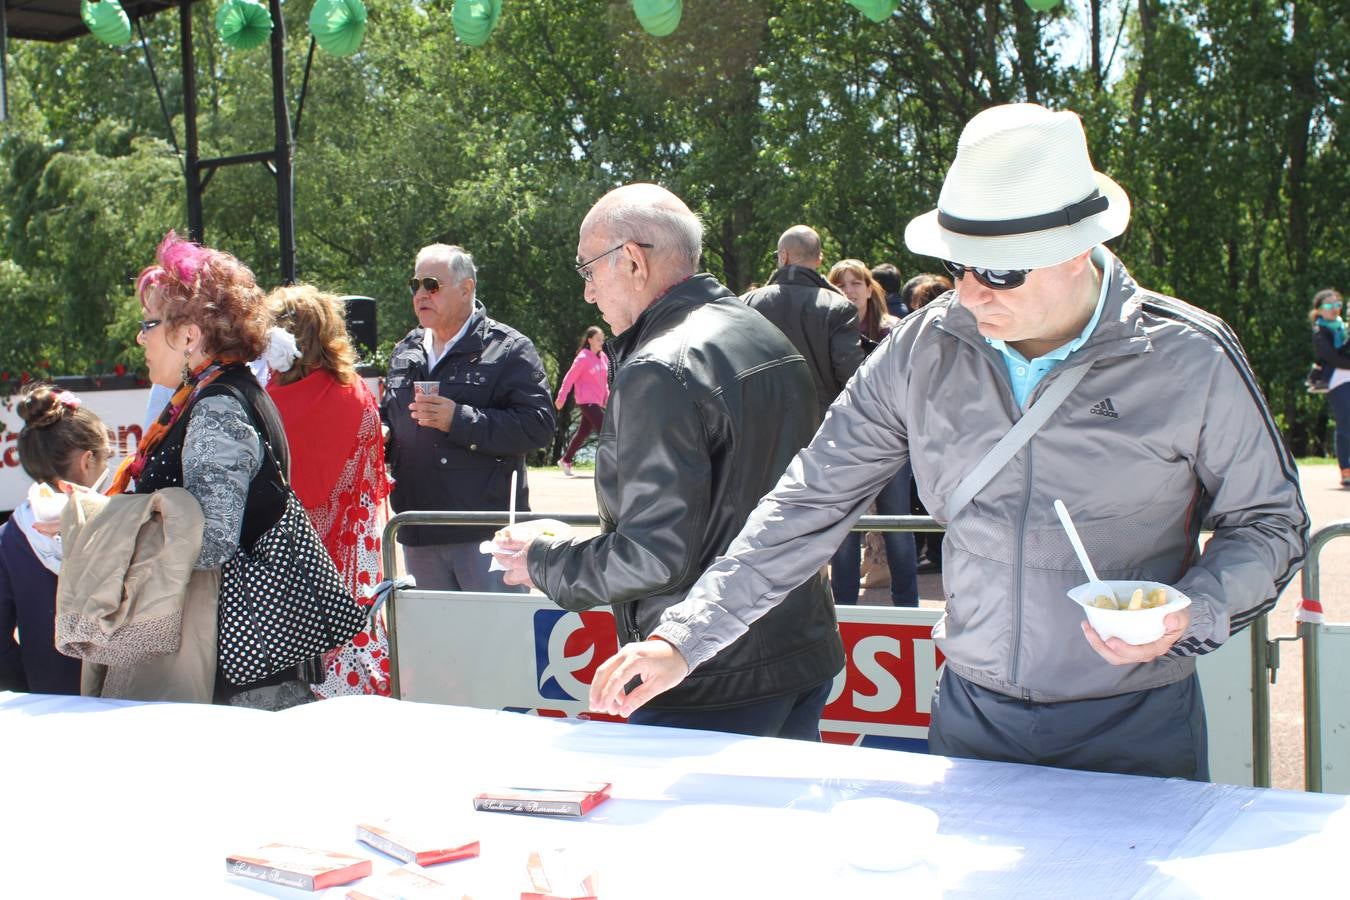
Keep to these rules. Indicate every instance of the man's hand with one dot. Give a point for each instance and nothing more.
(433, 411)
(512, 542)
(660, 665)
(1119, 653)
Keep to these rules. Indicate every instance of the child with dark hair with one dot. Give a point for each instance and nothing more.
(63, 447)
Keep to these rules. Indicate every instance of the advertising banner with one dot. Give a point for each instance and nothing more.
(524, 654)
(123, 411)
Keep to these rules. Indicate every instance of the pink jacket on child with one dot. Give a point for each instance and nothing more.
(589, 376)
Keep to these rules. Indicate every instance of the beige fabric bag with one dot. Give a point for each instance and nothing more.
(875, 572)
(128, 601)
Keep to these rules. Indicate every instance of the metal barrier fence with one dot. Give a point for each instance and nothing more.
(1312, 634)
(1264, 653)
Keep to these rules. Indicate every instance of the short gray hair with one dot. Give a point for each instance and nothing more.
(678, 233)
(457, 258)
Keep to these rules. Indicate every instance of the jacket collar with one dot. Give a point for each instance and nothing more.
(794, 274)
(693, 291)
(1119, 332)
(473, 340)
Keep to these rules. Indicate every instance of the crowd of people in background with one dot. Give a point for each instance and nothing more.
(241, 376)
(739, 438)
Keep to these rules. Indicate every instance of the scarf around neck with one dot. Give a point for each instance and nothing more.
(46, 549)
(132, 466)
(1337, 328)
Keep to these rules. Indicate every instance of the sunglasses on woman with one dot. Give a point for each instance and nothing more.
(431, 285)
(994, 279)
(1335, 304)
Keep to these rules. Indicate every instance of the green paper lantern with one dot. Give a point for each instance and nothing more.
(1042, 5)
(338, 26)
(474, 20)
(658, 17)
(876, 10)
(243, 24)
(106, 21)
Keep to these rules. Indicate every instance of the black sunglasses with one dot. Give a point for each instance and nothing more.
(432, 285)
(994, 279)
(147, 324)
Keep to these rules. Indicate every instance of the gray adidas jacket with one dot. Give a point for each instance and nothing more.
(1191, 446)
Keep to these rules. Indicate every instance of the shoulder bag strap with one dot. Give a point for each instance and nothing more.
(262, 431)
(1015, 439)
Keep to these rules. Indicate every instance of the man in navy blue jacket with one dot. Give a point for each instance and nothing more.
(465, 399)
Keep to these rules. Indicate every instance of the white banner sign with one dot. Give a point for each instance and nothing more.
(123, 411)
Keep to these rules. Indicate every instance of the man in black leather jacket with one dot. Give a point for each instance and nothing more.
(709, 405)
(456, 449)
(819, 321)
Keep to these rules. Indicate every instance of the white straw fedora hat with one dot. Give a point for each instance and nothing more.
(1021, 194)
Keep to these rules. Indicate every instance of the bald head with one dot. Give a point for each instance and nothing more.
(799, 246)
(636, 243)
(650, 214)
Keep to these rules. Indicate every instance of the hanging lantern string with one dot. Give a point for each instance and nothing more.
(304, 90)
(154, 79)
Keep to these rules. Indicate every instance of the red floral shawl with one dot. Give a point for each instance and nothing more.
(337, 468)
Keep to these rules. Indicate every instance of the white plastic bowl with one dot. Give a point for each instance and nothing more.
(1133, 626)
(883, 835)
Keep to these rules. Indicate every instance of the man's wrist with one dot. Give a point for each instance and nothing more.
(678, 636)
(1202, 634)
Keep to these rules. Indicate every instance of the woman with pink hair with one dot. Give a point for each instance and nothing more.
(220, 436)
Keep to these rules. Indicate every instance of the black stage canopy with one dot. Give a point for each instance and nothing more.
(59, 20)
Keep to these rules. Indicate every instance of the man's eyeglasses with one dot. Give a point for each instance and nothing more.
(148, 324)
(431, 285)
(994, 279)
(1335, 304)
(584, 268)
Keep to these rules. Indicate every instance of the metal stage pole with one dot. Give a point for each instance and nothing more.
(284, 146)
(196, 231)
(4, 69)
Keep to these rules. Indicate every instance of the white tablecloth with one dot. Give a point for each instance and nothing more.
(122, 799)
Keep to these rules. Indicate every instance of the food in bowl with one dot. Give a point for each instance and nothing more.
(1137, 600)
(1138, 624)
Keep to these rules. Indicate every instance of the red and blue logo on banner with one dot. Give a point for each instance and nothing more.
(568, 648)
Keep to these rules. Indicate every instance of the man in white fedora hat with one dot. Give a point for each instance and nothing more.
(1047, 374)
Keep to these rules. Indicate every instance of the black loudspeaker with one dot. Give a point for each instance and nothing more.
(361, 323)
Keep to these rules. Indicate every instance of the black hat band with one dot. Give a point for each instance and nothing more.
(1070, 215)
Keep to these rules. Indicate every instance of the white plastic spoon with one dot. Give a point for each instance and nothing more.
(1098, 586)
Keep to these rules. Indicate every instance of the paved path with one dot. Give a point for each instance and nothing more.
(550, 491)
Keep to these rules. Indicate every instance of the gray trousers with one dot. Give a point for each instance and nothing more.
(455, 567)
(1157, 732)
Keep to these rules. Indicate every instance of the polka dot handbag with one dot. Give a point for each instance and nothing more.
(283, 602)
